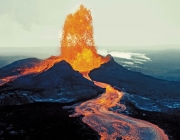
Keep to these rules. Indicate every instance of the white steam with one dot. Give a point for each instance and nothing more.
(127, 58)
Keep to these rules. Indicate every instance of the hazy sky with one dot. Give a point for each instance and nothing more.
(38, 23)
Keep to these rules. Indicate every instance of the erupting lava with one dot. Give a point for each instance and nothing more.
(77, 45)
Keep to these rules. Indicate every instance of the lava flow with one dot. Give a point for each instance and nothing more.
(78, 49)
(111, 125)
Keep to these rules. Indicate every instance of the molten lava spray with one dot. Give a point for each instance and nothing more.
(77, 44)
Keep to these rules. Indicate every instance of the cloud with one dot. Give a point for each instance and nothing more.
(31, 23)
(134, 24)
(13, 34)
(23, 12)
(121, 54)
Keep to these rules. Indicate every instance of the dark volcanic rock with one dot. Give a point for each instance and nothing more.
(42, 121)
(135, 82)
(60, 83)
(60, 74)
(15, 98)
(168, 122)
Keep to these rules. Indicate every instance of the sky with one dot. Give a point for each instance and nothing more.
(118, 24)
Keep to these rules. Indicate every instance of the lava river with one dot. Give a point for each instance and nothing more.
(111, 125)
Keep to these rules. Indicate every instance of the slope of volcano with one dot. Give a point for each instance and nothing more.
(60, 83)
(136, 82)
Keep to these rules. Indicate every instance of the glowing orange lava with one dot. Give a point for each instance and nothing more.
(111, 125)
(77, 44)
(43, 66)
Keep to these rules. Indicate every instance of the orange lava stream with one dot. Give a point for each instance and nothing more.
(42, 66)
(111, 125)
(7, 79)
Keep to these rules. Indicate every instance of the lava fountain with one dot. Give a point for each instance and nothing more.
(78, 49)
(77, 45)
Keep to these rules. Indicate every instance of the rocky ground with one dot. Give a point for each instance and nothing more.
(26, 113)
(46, 121)
(49, 121)
(170, 123)
(23, 118)
(136, 82)
(59, 84)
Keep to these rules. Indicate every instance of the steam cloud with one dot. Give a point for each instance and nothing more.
(128, 58)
